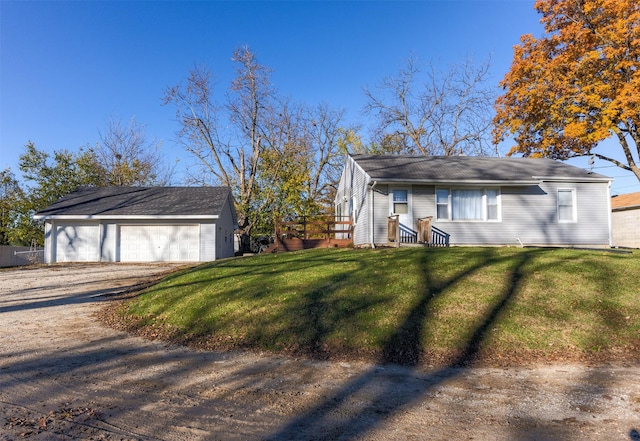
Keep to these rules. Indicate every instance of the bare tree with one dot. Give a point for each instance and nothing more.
(324, 127)
(127, 158)
(447, 114)
(275, 155)
(228, 140)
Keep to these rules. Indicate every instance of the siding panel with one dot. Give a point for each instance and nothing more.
(207, 242)
(529, 216)
(353, 193)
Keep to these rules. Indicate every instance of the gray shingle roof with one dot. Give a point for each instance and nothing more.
(140, 201)
(467, 169)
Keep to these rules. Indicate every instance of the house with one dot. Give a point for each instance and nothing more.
(140, 224)
(625, 220)
(474, 201)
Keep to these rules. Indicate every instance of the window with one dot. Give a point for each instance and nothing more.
(566, 205)
(467, 204)
(400, 202)
(492, 204)
(442, 204)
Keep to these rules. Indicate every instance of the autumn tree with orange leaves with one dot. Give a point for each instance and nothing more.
(577, 85)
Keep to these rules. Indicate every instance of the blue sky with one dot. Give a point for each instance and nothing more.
(66, 67)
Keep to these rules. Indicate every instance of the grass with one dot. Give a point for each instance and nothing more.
(408, 305)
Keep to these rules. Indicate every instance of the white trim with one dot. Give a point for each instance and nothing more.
(574, 206)
(360, 167)
(570, 179)
(488, 183)
(610, 214)
(125, 217)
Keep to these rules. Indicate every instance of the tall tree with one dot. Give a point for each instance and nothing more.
(11, 197)
(47, 181)
(324, 157)
(127, 157)
(228, 140)
(435, 113)
(276, 156)
(298, 173)
(577, 85)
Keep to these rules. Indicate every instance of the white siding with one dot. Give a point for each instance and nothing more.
(49, 242)
(353, 192)
(381, 214)
(108, 242)
(529, 215)
(208, 242)
(224, 238)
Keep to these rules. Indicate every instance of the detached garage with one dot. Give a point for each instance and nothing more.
(140, 224)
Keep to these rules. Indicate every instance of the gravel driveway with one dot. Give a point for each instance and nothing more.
(63, 375)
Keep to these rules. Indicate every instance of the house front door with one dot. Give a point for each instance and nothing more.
(400, 205)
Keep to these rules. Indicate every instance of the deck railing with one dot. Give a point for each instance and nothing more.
(313, 232)
(439, 238)
(316, 227)
(427, 234)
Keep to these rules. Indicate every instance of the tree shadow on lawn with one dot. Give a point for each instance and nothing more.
(303, 311)
(356, 408)
(404, 347)
(317, 317)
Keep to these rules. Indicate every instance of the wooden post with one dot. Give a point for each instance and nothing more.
(424, 230)
(393, 230)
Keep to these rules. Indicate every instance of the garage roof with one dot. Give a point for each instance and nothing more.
(141, 201)
(625, 201)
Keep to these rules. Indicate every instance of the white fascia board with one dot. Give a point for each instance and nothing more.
(569, 179)
(361, 169)
(121, 217)
(459, 183)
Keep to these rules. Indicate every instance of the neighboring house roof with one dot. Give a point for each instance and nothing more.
(470, 169)
(166, 202)
(625, 201)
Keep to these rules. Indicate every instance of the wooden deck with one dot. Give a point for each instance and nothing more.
(313, 232)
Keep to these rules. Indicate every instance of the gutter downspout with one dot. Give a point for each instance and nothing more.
(371, 223)
(610, 215)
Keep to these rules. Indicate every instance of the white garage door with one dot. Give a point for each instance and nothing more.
(153, 243)
(77, 243)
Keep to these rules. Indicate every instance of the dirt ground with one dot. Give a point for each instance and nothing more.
(64, 375)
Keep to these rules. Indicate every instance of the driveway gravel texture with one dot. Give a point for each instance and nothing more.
(65, 375)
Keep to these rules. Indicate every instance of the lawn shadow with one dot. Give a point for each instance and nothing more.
(403, 348)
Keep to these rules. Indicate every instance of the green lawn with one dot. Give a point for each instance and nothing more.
(407, 305)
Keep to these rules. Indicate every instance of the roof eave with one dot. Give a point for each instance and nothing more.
(502, 183)
(572, 179)
(123, 217)
(626, 208)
